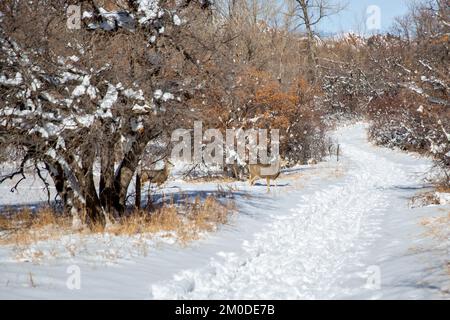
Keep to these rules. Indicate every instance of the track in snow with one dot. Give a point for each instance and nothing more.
(318, 248)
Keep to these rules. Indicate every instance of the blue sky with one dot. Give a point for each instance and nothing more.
(353, 18)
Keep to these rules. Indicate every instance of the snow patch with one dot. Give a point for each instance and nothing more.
(444, 198)
(17, 80)
(81, 89)
(150, 10)
(133, 94)
(108, 101)
(176, 20)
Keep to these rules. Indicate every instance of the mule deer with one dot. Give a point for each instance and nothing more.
(257, 171)
(158, 177)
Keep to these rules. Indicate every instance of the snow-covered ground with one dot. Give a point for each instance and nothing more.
(335, 230)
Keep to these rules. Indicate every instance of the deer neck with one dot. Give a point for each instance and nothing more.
(166, 169)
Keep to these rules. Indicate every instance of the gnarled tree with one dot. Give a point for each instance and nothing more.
(76, 99)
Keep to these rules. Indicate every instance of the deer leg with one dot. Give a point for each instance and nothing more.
(268, 184)
(236, 176)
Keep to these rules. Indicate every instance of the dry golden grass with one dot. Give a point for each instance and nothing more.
(437, 227)
(430, 197)
(26, 227)
(424, 199)
(187, 221)
(443, 189)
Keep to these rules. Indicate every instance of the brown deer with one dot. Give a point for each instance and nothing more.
(257, 171)
(158, 177)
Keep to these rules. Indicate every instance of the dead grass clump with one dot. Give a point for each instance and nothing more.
(437, 227)
(443, 188)
(210, 213)
(25, 226)
(424, 200)
(436, 197)
(185, 221)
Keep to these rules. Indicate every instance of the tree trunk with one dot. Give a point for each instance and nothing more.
(95, 213)
(106, 190)
(127, 168)
(138, 192)
(71, 205)
(94, 210)
(312, 58)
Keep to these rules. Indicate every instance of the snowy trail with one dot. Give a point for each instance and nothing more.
(311, 251)
(334, 230)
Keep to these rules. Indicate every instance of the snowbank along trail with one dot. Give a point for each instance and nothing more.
(327, 245)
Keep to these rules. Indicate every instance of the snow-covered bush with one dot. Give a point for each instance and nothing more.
(398, 81)
(74, 97)
(403, 120)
